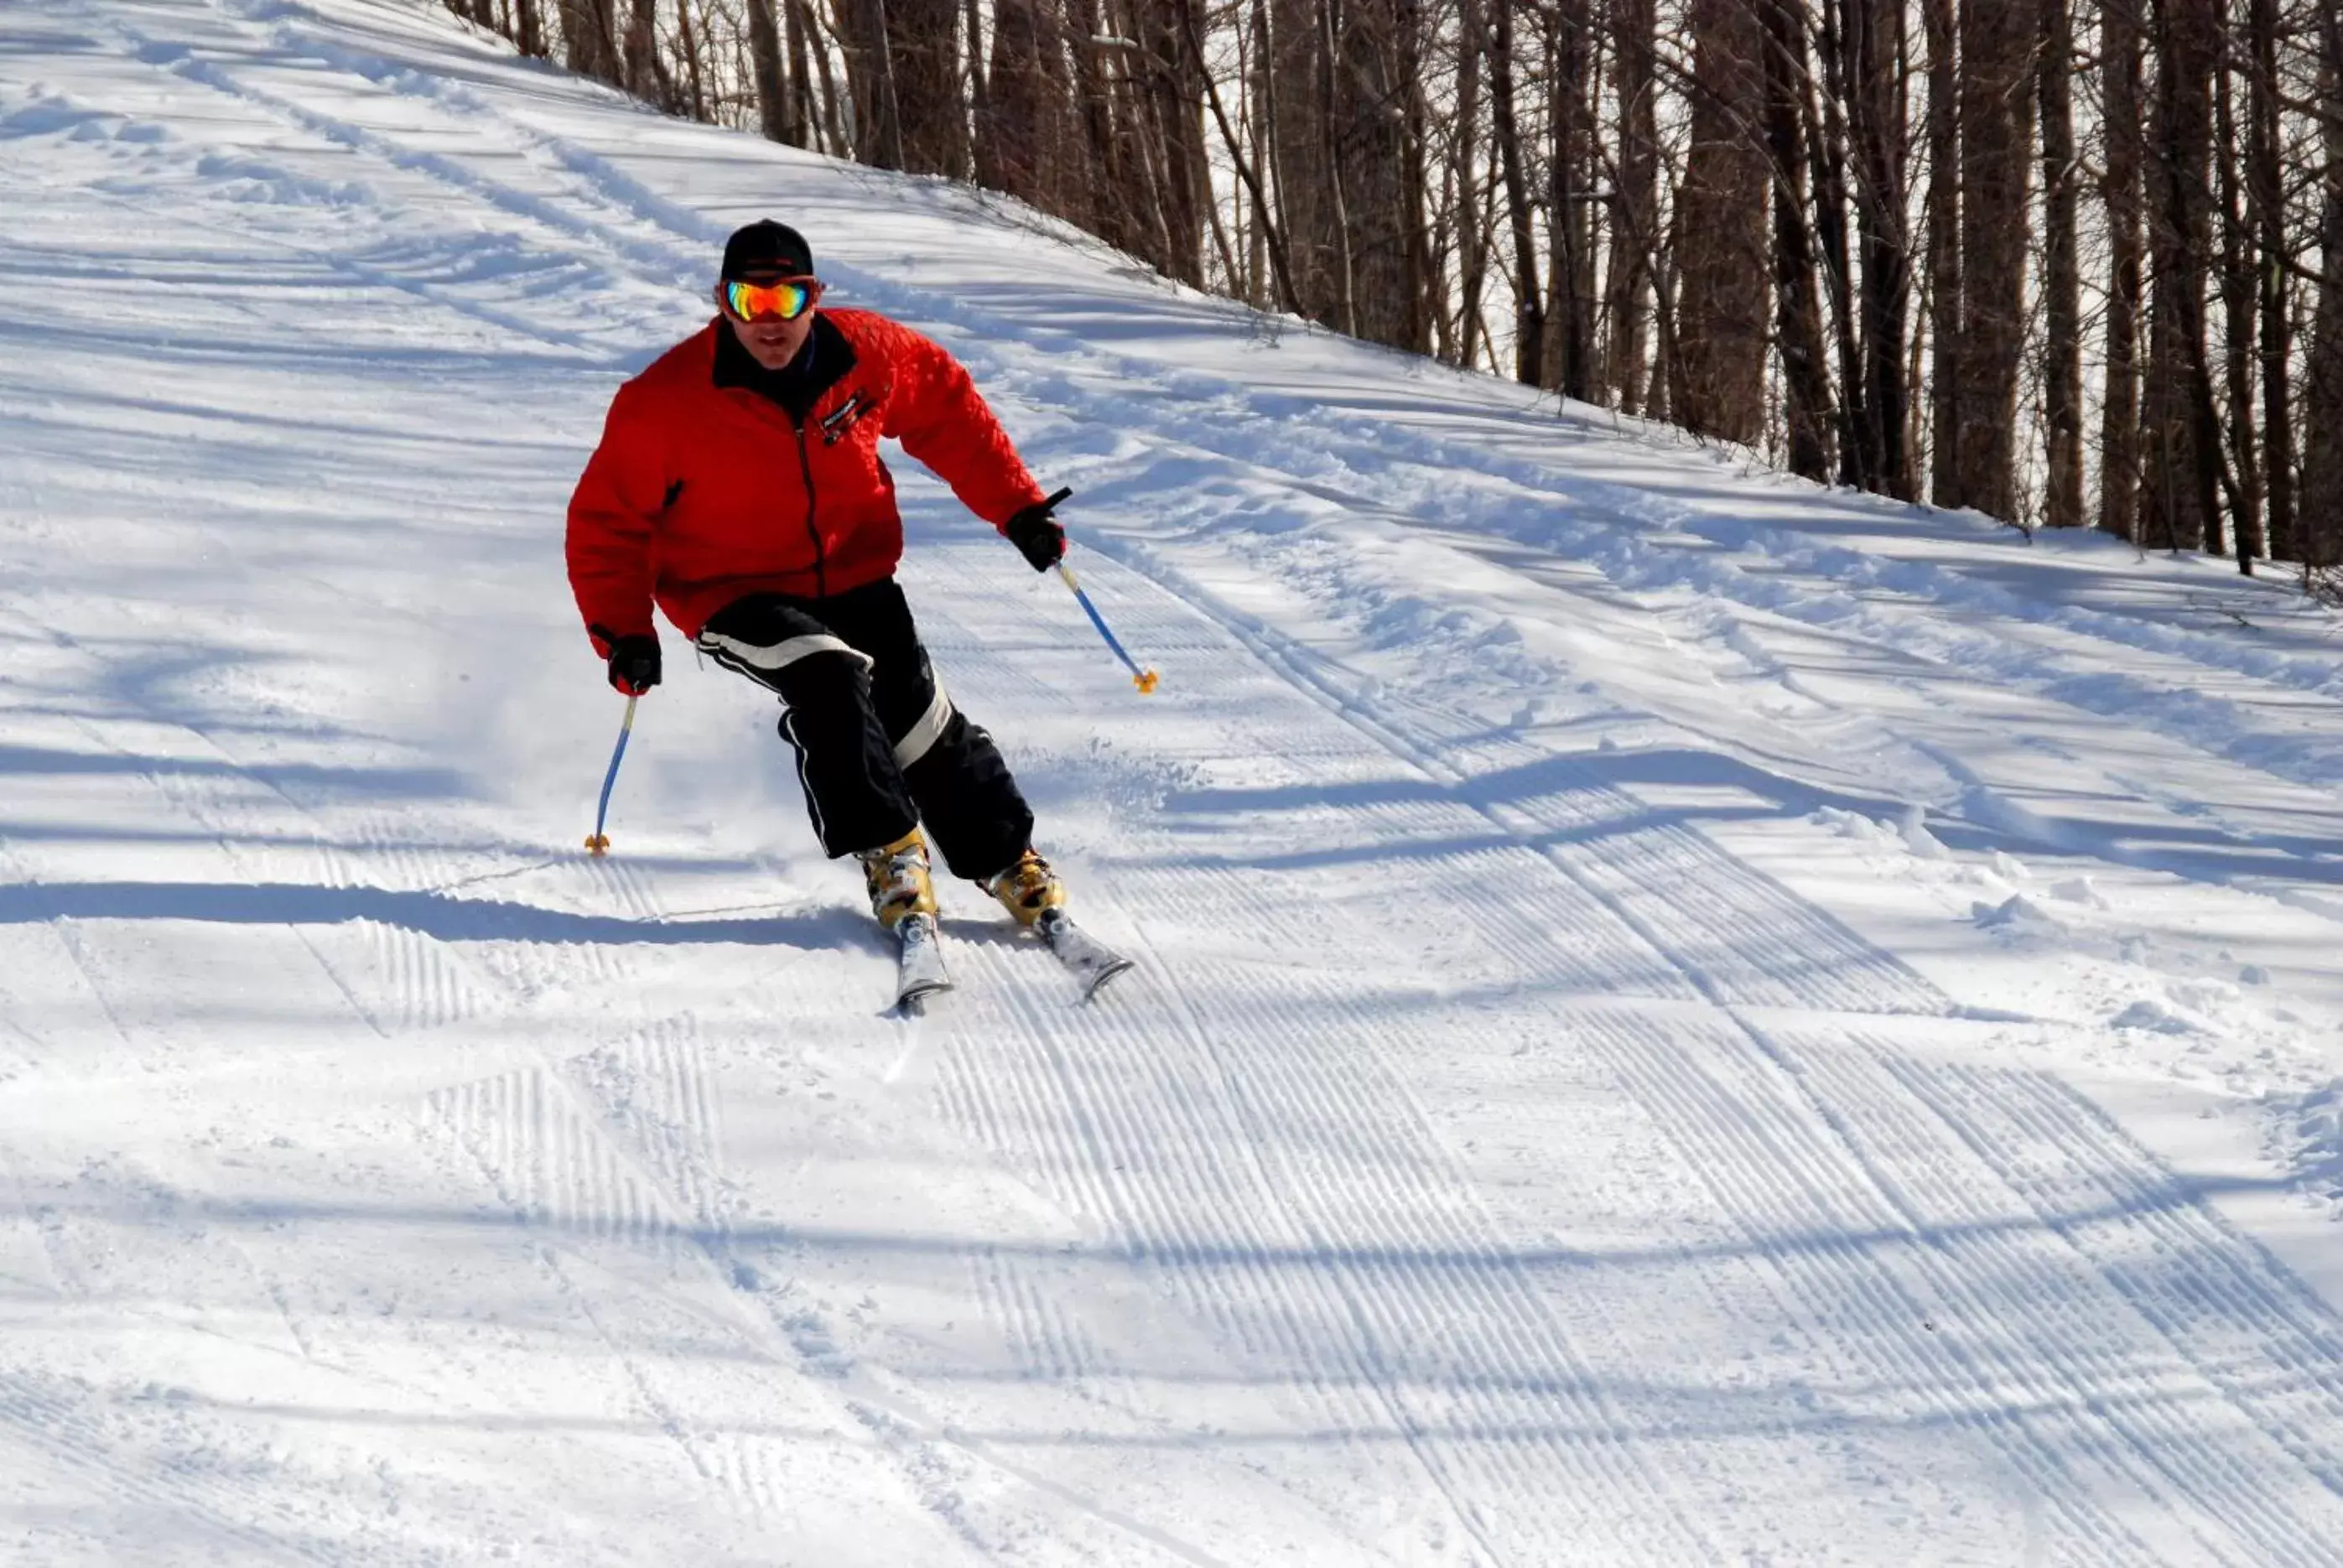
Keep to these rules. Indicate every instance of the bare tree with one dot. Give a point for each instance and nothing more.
(1529, 298)
(870, 81)
(925, 68)
(1167, 110)
(1267, 242)
(1939, 24)
(1880, 134)
(1378, 167)
(1720, 232)
(2121, 37)
(810, 122)
(1824, 107)
(1300, 141)
(1568, 356)
(688, 41)
(2321, 518)
(1635, 203)
(1463, 174)
(2062, 277)
(2177, 489)
(2266, 200)
(642, 71)
(1797, 308)
(1106, 182)
(765, 64)
(1025, 132)
(2242, 456)
(589, 40)
(1997, 114)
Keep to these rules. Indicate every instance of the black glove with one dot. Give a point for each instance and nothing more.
(1037, 534)
(634, 662)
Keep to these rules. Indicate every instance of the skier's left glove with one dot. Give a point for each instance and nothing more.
(1037, 534)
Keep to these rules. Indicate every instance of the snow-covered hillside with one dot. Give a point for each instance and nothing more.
(1680, 1018)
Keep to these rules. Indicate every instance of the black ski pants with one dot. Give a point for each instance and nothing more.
(880, 746)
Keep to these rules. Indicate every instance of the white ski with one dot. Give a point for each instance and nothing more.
(1092, 961)
(918, 965)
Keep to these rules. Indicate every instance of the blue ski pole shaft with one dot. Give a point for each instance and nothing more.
(1142, 679)
(598, 842)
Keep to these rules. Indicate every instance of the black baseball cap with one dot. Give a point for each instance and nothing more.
(766, 249)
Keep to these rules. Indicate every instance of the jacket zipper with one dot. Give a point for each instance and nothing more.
(805, 466)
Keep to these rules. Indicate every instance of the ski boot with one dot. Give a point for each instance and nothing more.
(1028, 890)
(896, 876)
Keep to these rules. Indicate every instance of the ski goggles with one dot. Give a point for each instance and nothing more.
(788, 299)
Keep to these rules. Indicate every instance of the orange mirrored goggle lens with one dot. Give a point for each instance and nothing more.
(788, 299)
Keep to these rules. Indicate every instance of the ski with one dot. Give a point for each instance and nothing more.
(1091, 960)
(918, 965)
(919, 971)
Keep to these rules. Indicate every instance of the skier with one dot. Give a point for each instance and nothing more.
(738, 486)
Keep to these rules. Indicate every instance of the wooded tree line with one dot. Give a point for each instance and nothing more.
(2068, 262)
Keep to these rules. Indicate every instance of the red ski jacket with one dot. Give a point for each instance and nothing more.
(712, 481)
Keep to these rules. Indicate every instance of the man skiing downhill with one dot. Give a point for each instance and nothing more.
(738, 486)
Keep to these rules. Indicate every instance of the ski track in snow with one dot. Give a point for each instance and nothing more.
(1962, 1283)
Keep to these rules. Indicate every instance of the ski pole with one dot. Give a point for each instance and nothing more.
(597, 843)
(1142, 679)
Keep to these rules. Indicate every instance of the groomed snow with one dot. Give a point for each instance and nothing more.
(1681, 1018)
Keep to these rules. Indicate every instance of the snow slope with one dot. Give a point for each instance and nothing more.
(1681, 1018)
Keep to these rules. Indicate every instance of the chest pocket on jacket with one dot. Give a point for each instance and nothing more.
(844, 418)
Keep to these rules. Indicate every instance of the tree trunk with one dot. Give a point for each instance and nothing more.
(931, 102)
(1173, 104)
(983, 166)
(1024, 129)
(1254, 117)
(1378, 169)
(1464, 162)
(1878, 129)
(1264, 242)
(1938, 21)
(2321, 518)
(765, 71)
(639, 69)
(2178, 488)
(1719, 386)
(589, 40)
(1997, 110)
(810, 122)
(1568, 355)
(1142, 202)
(870, 83)
(1298, 140)
(1106, 185)
(2265, 201)
(1797, 309)
(2119, 437)
(2062, 282)
(1529, 307)
(1636, 209)
(1827, 134)
(688, 37)
(2237, 323)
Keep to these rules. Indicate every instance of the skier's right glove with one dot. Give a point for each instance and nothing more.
(635, 663)
(1038, 534)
